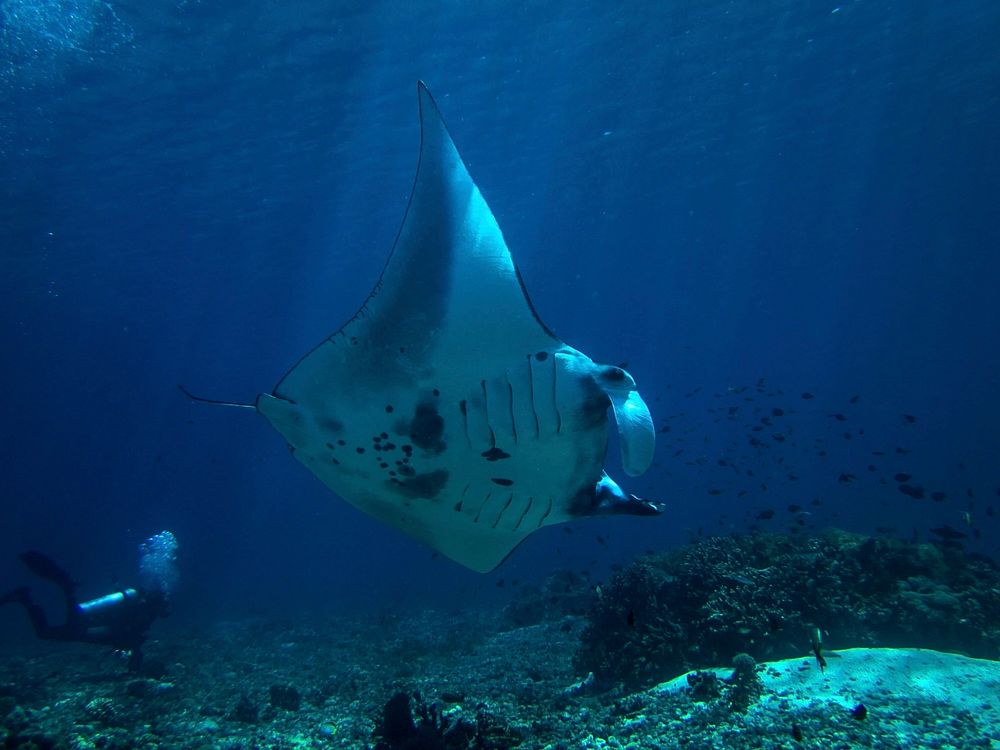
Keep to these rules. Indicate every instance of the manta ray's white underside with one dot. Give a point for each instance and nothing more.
(445, 407)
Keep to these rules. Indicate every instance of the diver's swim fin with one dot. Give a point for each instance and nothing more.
(20, 595)
(45, 567)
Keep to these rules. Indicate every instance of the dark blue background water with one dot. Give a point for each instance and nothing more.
(716, 192)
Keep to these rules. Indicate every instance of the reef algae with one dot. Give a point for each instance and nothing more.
(763, 594)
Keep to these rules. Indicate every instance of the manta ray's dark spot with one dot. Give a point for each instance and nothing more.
(426, 486)
(388, 408)
(341, 442)
(408, 449)
(462, 407)
(427, 427)
(359, 449)
(388, 446)
(334, 461)
(383, 465)
(407, 471)
(541, 356)
(384, 435)
(354, 340)
(495, 454)
(502, 481)
(437, 392)
(331, 425)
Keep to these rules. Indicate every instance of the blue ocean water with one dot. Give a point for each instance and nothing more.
(741, 200)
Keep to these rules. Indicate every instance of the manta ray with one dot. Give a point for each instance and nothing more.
(445, 407)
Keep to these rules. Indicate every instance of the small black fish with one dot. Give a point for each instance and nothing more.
(846, 478)
(776, 412)
(938, 497)
(902, 451)
(912, 491)
(499, 583)
(807, 395)
(838, 416)
(948, 533)
(630, 618)
(817, 647)
(854, 398)
(765, 515)
(859, 712)
(715, 492)
(794, 508)
(909, 418)
(970, 493)
(902, 477)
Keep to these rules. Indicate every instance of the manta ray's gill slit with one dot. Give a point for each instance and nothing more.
(524, 513)
(481, 507)
(545, 515)
(486, 412)
(463, 407)
(531, 398)
(503, 510)
(461, 499)
(510, 403)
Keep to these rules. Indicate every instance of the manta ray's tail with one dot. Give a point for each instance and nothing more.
(213, 401)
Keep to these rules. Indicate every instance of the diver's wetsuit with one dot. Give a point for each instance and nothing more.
(120, 619)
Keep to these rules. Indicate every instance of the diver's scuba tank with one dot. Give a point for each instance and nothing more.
(97, 607)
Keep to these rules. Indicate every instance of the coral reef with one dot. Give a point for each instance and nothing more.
(761, 594)
(497, 688)
(744, 684)
(397, 730)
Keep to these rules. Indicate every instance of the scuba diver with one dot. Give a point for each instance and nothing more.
(120, 619)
